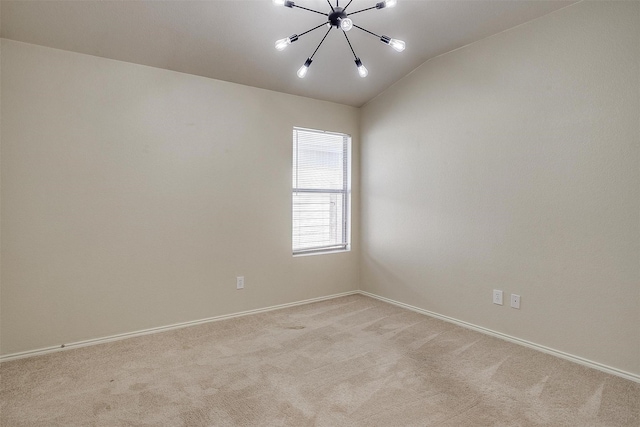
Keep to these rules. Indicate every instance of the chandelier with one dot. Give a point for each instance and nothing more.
(338, 19)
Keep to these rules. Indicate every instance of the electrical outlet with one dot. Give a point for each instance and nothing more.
(515, 301)
(240, 282)
(497, 296)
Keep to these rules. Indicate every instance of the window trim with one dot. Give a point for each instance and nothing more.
(345, 246)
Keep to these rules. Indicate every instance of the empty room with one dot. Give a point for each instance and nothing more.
(320, 213)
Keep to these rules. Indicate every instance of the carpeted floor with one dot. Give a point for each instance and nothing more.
(351, 361)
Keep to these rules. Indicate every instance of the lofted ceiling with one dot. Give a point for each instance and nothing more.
(233, 40)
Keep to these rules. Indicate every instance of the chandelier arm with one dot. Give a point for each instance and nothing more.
(314, 28)
(345, 8)
(310, 10)
(331, 6)
(365, 30)
(361, 10)
(321, 41)
(352, 51)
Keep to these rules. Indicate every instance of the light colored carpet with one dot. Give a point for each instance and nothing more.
(351, 361)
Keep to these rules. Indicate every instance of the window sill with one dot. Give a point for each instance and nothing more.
(330, 251)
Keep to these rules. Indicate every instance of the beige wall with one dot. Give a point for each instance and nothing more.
(132, 197)
(513, 163)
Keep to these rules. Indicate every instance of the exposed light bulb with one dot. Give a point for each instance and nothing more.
(346, 24)
(362, 70)
(386, 3)
(398, 45)
(287, 3)
(394, 43)
(283, 43)
(303, 70)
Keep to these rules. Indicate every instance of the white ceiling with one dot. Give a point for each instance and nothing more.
(233, 40)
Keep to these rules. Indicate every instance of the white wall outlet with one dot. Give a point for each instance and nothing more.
(497, 296)
(240, 282)
(515, 301)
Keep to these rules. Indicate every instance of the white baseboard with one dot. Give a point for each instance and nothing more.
(542, 348)
(94, 341)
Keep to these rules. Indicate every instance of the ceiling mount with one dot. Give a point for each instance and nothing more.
(339, 19)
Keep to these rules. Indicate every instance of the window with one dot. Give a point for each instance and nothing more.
(321, 191)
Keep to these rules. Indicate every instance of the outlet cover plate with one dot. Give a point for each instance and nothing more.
(515, 301)
(497, 296)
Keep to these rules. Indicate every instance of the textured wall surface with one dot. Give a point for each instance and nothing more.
(132, 197)
(513, 164)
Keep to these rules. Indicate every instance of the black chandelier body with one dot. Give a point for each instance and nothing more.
(338, 19)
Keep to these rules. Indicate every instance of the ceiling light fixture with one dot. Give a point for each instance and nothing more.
(338, 19)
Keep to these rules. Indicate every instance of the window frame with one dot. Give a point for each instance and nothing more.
(345, 245)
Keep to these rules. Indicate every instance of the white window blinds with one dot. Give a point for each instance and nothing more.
(321, 194)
